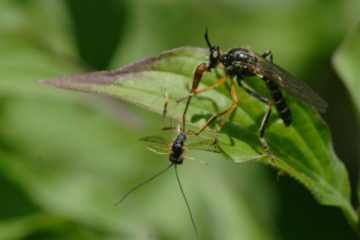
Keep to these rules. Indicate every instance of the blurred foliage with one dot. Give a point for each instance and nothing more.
(346, 62)
(66, 158)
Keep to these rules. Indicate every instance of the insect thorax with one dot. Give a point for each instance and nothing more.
(237, 61)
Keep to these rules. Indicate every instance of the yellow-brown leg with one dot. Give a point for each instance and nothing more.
(199, 71)
(218, 83)
(227, 112)
(194, 89)
(234, 105)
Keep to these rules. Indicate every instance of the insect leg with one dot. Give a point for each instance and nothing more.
(164, 114)
(254, 94)
(194, 90)
(263, 126)
(268, 56)
(156, 151)
(235, 103)
(232, 108)
(265, 120)
(195, 83)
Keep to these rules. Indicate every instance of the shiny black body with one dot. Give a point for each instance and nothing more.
(242, 63)
(177, 149)
(279, 101)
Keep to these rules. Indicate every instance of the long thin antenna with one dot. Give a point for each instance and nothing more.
(142, 184)
(186, 202)
(207, 39)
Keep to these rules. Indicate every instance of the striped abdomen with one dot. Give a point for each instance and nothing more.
(280, 102)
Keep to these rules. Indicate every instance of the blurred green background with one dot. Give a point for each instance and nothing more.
(66, 157)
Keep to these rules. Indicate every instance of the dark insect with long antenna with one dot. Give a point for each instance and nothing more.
(240, 63)
(175, 150)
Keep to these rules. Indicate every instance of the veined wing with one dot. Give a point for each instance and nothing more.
(156, 144)
(293, 86)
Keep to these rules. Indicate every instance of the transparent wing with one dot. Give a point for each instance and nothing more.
(156, 144)
(206, 141)
(204, 145)
(293, 86)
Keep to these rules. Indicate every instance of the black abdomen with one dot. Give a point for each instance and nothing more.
(280, 102)
(177, 149)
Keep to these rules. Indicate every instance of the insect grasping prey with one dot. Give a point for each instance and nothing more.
(240, 63)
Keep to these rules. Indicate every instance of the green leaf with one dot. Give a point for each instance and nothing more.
(346, 61)
(303, 150)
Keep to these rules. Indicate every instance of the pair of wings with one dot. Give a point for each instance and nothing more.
(286, 80)
(162, 145)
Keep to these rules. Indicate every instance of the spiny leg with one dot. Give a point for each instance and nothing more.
(265, 120)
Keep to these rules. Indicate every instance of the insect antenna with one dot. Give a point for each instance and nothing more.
(132, 190)
(186, 202)
(207, 39)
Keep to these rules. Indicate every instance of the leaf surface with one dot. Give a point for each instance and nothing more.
(303, 150)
